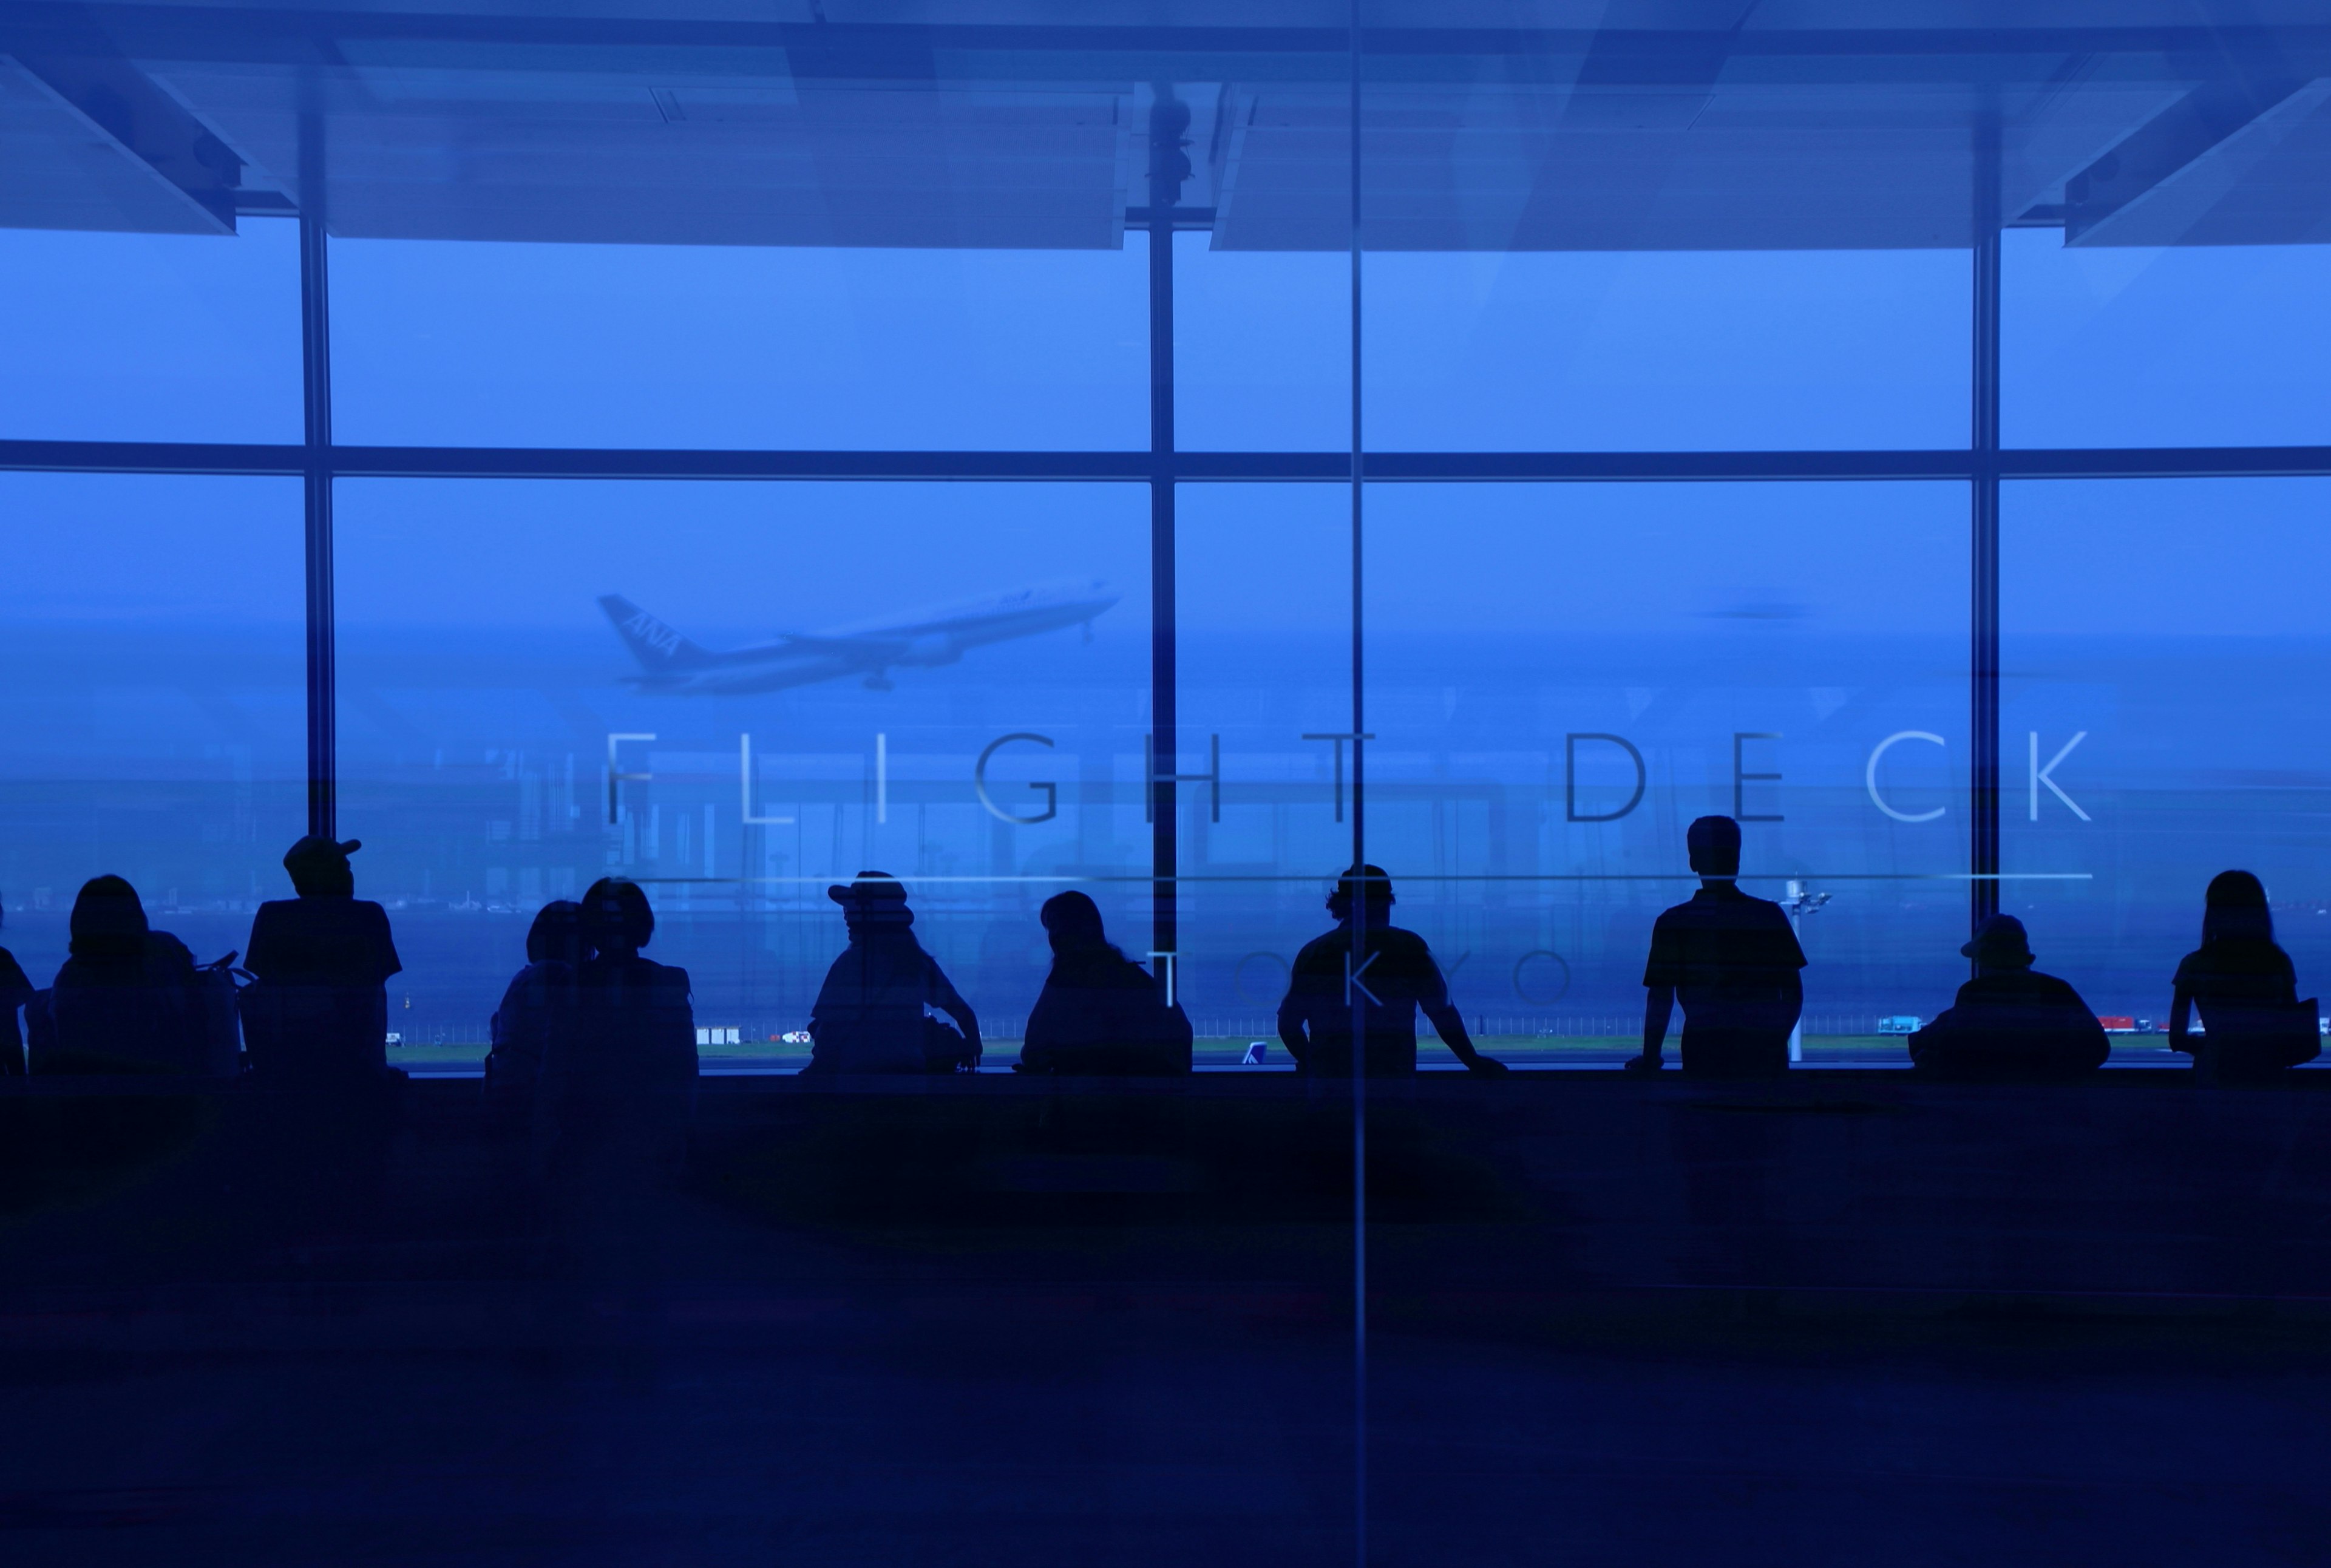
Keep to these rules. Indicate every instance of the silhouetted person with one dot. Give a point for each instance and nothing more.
(616, 1088)
(124, 1000)
(537, 1006)
(320, 1011)
(1099, 1011)
(2253, 1024)
(1733, 964)
(1393, 977)
(2010, 1022)
(16, 991)
(873, 1014)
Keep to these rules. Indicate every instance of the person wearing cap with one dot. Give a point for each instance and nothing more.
(2010, 1022)
(2254, 1025)
(1393, 977)
(322, 961)
(1731, 960)
(873, 1014)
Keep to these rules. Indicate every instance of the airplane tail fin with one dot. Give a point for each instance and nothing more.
(660, 649)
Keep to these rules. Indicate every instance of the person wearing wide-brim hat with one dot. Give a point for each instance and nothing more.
(322, 960)
(873, 1013)
(2010, 1022)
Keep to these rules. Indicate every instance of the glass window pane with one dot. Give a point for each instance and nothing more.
(479, 343)
(2162, 644)
(1542, 350)
(152, 337)
(920, 699)
(1562, 677)
(1263, 349)
(1263, 628)
(2190, 346)
(155, 703)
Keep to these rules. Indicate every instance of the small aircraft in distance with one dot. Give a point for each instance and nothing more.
(671, 665)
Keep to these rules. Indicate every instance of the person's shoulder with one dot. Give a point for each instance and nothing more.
(2058, 989)
(1325, 948)
(164, 947)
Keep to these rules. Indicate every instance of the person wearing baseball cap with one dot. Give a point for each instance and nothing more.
(873, 1014)
(322, 960)
(2010, 1022)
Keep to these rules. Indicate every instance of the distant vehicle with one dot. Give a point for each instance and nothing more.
(671, 665)
(1901, 1023)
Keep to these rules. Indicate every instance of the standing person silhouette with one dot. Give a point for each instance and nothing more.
(2253, 1024)
(1395, 978)
(873, 1013)
(1733, 964)
(323, 959)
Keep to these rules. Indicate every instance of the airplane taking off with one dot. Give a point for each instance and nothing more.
(673, 665)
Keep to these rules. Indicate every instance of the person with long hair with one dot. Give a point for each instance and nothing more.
(2253, 1024)
(537, 1006)
(124, 1000)
(1099, 1013)
(615, 1090)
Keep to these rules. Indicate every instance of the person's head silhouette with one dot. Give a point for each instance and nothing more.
(1367, 886)
(1999, 943)
(319, 868)
(2235, 909)
(108, 920)
(874, 903)
(557, 934)
(1072, 922)
(1714, 843)
(616, 920)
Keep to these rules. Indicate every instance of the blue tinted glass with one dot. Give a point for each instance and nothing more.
(1264, 634)
(155, 704)
(2163, 640)
(1561, 678)
(2195, 346)
(919, 697)
(1535, 351)
(152, 337)
(1263, 349)
(676, 345)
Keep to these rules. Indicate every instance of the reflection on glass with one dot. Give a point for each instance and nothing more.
(154, 705)
(740, 696)
(1560, 679)
(2162, 638)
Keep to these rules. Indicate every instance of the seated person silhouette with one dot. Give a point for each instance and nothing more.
(1394, 977)
(1099, 1013)
(318, 1012)
(2010, 1024)
(874, 1013)
(538, 1004)
(623, 1078)
(1733, 964)
(16, 991)
(2253, 1025)
(125, 1001)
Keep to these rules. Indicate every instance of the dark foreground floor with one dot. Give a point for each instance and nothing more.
(1649, 1325)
